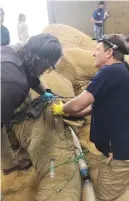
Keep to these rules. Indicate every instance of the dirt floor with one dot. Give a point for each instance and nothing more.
(19, 186)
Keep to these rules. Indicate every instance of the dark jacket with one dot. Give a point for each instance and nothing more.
(15, 82)
(5, 36)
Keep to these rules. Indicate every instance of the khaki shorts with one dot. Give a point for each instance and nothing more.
(109, 177)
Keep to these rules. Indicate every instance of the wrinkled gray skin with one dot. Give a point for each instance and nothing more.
(49, 138)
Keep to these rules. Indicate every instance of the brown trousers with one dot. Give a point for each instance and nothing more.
(110, 178)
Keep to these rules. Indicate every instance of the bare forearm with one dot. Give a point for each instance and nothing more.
(95, 21)
(79, 103)
(86, 112)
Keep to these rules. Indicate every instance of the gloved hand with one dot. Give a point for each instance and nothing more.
(57, 109)
(47, 96)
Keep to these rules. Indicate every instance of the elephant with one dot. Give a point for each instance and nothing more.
(77, 65)
(45, 138)
(48, 138)
(71, 37)
(62, 86)
(71, 76)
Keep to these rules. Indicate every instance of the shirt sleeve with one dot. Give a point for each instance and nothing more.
(36, 85)
(35, 82)
(12, 96)
(94, 15)
(100, 84)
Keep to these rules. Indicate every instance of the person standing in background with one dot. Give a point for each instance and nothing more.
(5, 36)
(97, 19)
(22, 29)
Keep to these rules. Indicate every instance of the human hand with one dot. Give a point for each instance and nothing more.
(47, 96)
(57, 109)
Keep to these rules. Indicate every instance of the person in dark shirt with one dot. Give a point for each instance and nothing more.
(108, 93)
(5, 36)
(20, 71)
(97, 19)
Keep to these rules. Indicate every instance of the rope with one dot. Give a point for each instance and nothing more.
(75, 160)
(53, 99)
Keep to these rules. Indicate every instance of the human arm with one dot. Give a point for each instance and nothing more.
(86, 112)
(78, 106)
(95, 90)
(79, 103)
(12, 96)
(95, 21)
(94, 18)
(106, 14)
(41, 88)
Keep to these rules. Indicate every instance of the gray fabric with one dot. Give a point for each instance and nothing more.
(7, 158)
(15, 82)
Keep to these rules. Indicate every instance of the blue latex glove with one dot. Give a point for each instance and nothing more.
(47, 96)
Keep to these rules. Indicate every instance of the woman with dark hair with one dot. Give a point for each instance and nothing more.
(20, 71)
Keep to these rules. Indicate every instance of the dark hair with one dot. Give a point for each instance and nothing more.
(46, 46)
(117, 43)
(116, 53)
(101, 3)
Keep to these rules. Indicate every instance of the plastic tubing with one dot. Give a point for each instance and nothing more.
(88, 191)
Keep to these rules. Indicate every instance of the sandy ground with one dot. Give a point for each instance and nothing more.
(19, 186)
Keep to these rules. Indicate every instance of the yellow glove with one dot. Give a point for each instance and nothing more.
(57, 109)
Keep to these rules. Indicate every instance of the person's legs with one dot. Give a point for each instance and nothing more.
(7, 157)
(104, 171)
(98, 32)
(95, 31)
(9, 161)
(115, 173)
